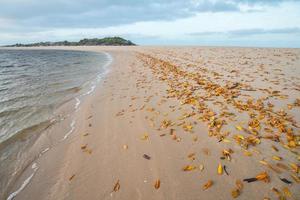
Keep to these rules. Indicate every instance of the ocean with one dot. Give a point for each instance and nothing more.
(33, 84)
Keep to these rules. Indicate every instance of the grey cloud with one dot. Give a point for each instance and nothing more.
(250, 32)
(103, 13)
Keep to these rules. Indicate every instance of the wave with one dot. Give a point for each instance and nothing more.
(22, 134)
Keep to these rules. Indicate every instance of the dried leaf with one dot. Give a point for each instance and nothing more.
(249, 180)
(146, 157)
(274, 148)
(207, 185)
(188, 168)
(286, 181)
(220, 169)
(157, 184)
(201, 167)
(277, 158)
(235, 193)
(294, 167)
(71, 177)
(247, 153)
(191, 156)
(239, 184)
(296, 178)
(117, 186)
(225, 170)
(263, 176)
(287, 192)
(145, 137)
(239, 127)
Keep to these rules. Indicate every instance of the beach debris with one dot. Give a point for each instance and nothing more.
(286, 181)
(191, 156)
(188, 168)
(86, 134)
(294, 167)
(225, 170)
(157, 184)
(125, 146)
(117, 186)
(220, 169)
(85, 149)
(235, 193)
(207, 185)
(145, 137)
(209, 97)
(278, 193)
(239, 184)
(201, 167)
(287, 192)
(83, 146)
(278, 158)
(146, 157)
(260, 177)
(71, 177)
(227, 154)
(296, 178)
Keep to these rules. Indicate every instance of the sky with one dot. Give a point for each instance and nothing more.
(260, 23)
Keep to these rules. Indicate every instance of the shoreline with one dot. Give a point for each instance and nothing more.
(132, 115)
(47, 139)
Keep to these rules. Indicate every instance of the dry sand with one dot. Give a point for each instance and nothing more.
(180, 106)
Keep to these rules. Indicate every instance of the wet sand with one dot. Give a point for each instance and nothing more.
(180, 123)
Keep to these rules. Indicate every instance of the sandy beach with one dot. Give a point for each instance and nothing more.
(177, 123)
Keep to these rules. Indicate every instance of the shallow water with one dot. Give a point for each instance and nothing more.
(33, 83)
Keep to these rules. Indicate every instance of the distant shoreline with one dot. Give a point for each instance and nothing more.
(107, 41)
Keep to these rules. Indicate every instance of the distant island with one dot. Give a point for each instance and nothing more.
(107, 41)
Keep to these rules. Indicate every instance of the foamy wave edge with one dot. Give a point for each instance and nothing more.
(72, 126)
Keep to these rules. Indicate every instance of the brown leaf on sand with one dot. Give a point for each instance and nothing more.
(263, 176)
(71, 177)
(287, 192)
(296, 178)
(239, 184)
(188, 168)
(157, 184)
(145, 136)
(117, 186)
(146, 157)
(235, 193)
(207, 185)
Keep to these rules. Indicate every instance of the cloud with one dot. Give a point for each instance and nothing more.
(104, 13)
(249, 32)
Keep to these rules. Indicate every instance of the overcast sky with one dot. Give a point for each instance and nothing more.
(270, 23)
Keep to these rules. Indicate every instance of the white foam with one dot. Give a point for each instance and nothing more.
(99, 77)
(45, 150)
(24, 184)
(72, 129)
(77, 103)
